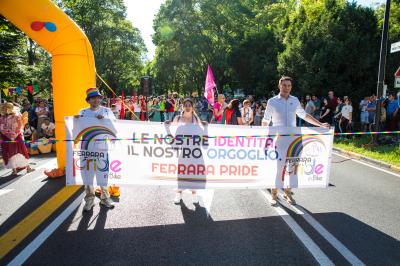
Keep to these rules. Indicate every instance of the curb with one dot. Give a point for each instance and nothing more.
(375, 162)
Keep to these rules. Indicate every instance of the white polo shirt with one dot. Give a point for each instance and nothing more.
(103, 111)
(283, 112)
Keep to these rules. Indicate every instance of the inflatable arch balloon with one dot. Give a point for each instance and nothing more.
(73, 68)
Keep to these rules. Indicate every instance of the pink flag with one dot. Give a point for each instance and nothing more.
(209, 88)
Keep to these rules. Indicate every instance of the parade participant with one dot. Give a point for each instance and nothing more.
(128, 115)
(154, 113)
(346, 115)
(15, 154)
(29, 132)
(32, 118)
(137, 108)
(169, 108)
(326, 112)
(188, 116)
(114, 109)
(178, 104)
(247, 113)
(48, 128)
(118, 104)
(392, 112)
(95, 110)
(218, 108)
(143, 108)
(258, 114)
(371, 109)
(364, 114)
(42, 112)
(162, 107)
(317, 104)
(309, 107)
(281, 111)
(232, 115)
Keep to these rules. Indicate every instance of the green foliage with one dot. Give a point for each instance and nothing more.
(332, 45)
(393, 60)
(117, 45)
(240, 47)
(323, 44)
(10, 43)
(22, 62)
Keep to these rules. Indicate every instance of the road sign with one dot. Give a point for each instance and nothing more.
(397, 73)
(395, 47)
(397, 78)
(397, 82)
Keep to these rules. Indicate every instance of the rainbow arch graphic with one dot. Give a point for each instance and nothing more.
(296, 147)
(88, 134)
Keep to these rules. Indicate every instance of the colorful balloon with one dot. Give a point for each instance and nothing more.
(50, 26)
(37, 25)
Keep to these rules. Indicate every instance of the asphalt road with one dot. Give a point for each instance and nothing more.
(355, 220)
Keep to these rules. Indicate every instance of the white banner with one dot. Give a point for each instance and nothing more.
(119, 152)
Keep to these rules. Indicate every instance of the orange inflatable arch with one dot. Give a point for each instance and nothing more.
(73, 68)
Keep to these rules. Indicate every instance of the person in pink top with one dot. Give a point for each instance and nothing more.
(15, 154)
(218, 109)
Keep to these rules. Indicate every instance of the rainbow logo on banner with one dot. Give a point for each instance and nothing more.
(88, 134)
(296, 147)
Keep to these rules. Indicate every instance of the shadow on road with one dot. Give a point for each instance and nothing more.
(202, 241)
(41, 196)
(370, 245)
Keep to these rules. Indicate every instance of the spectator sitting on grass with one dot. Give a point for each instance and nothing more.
(48, 128)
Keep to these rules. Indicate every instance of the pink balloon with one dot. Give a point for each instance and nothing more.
(37, 25)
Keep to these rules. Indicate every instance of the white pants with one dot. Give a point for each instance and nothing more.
(90, 193)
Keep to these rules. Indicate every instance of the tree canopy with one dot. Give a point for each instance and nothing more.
(322, 44)
(117, 45)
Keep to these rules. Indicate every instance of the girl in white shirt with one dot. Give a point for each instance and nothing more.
(347, 117)
(188, 116)
(247, 113)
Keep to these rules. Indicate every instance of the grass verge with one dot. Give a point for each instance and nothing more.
(389, 153)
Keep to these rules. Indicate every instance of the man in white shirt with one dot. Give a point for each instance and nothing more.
(95, 110)
(281, 110)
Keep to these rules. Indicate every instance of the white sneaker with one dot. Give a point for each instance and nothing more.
(88, 205)
(178, 197)
(108, 203)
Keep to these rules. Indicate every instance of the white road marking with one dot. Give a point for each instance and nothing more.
(345, 252)
(317, 253)
(367, 164)
(38, 241)
(5, 191)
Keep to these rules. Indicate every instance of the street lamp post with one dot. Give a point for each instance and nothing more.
(382, 65)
